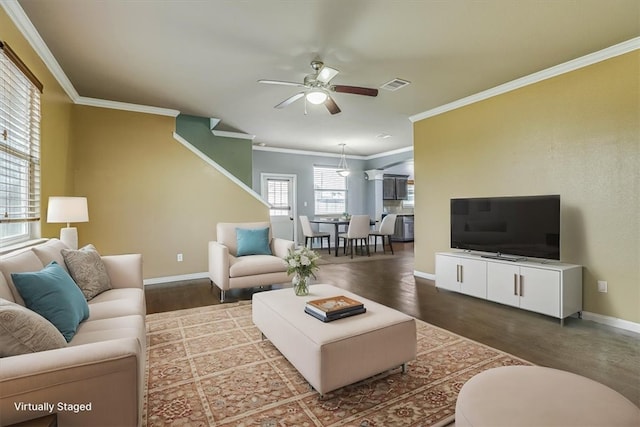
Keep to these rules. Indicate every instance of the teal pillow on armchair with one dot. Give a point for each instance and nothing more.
(252, 241)
(53, 294)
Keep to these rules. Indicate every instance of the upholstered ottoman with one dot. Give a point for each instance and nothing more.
(534, 396)
(334, 354)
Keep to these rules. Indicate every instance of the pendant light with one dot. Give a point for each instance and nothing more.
(343, 169)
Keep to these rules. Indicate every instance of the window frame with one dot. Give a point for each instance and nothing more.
(20, 117)
(317, 188)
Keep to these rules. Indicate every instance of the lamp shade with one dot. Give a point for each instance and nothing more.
(67, 209)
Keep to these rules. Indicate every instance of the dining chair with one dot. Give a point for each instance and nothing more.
(310, 234)
(358, 230)
(387, 228)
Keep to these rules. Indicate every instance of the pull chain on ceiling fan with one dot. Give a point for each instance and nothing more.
(318, 88)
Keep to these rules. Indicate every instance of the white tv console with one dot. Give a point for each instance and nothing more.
(547, 287)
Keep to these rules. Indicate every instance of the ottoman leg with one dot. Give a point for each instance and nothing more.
(404, 368)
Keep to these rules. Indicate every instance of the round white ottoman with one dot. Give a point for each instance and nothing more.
(540, 397)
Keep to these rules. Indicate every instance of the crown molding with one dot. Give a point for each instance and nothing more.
(20, 19)
(390, 153)
(116, 105)
(325, 154)
(575, 64)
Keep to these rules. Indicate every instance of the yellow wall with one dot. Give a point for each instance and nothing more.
(577, 135)
(146, 192)
(55, 126)
(149, 194)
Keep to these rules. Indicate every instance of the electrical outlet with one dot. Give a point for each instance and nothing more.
(602, 286)
(179, 257)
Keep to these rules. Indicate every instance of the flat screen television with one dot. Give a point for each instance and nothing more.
(526, 226)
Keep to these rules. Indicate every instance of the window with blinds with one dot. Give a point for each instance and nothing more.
(330, 191)
(278, 196)
(19, 149)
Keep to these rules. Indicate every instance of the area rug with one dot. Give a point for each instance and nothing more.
(208, 366)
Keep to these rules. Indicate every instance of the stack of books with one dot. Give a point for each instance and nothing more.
(334, 308)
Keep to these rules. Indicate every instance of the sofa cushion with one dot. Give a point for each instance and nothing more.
(253, 241)
(107, 329)
(51, 250)
(255, 264)
(53, 294)
(25, 331)
(117, 302)
(19, 262)
(87, 270)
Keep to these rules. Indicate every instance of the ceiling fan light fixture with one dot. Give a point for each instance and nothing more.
(316, 96)
(343, 169)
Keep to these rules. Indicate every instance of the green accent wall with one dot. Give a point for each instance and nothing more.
(235, 155)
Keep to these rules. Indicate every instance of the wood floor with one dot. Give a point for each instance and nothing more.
(606, 354)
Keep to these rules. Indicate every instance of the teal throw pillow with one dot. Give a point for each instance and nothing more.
(253, 241)
(53, 294)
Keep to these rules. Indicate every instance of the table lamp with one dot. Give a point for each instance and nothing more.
(68, 210)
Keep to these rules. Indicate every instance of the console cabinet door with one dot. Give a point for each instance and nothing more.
(502, 283)
(447, 273)
(540, 291)
(473, 277)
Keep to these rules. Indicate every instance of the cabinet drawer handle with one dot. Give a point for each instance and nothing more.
(461, 274)
(515, 284)
(521, 285)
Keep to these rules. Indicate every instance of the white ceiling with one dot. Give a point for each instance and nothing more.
(204, 57)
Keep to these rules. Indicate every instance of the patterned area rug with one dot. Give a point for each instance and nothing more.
(208, 366)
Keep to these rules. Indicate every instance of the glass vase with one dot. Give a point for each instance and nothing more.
(300, 284)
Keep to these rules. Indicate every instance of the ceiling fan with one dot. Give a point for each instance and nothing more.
(318, 88)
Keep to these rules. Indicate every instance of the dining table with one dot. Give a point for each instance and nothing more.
(337, 222)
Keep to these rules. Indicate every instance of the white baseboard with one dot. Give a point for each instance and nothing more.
(168, 279)
(424, 275)
(612, 321)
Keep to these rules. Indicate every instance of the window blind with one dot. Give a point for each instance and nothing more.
(278, 196)
(19, 147)
(330, 191)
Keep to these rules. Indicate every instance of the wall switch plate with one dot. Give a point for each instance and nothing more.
(179, 257)
(602, 286)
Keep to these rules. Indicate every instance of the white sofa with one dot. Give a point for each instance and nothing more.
(104, 363)
(229, 271)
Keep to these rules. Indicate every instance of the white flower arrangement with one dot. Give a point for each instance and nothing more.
(302, 261)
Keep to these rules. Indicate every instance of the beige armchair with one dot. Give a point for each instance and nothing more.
(228, 271)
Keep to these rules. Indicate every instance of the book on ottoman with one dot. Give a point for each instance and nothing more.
(335, 316)
(332, 308)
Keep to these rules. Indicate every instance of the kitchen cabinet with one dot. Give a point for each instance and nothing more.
(394, 187)
(403, 231)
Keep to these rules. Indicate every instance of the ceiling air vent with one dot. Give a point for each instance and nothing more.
(395, 84)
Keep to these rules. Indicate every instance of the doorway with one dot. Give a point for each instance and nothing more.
(279, 191)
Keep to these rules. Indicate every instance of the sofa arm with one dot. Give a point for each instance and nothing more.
(104, 376)
(281, 247)
(125, 271)
(219, 265)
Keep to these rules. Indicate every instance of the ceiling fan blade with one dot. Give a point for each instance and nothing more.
(326, 74)
(290, 100)
(356, 90)
(331, 105)
(280, 82)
